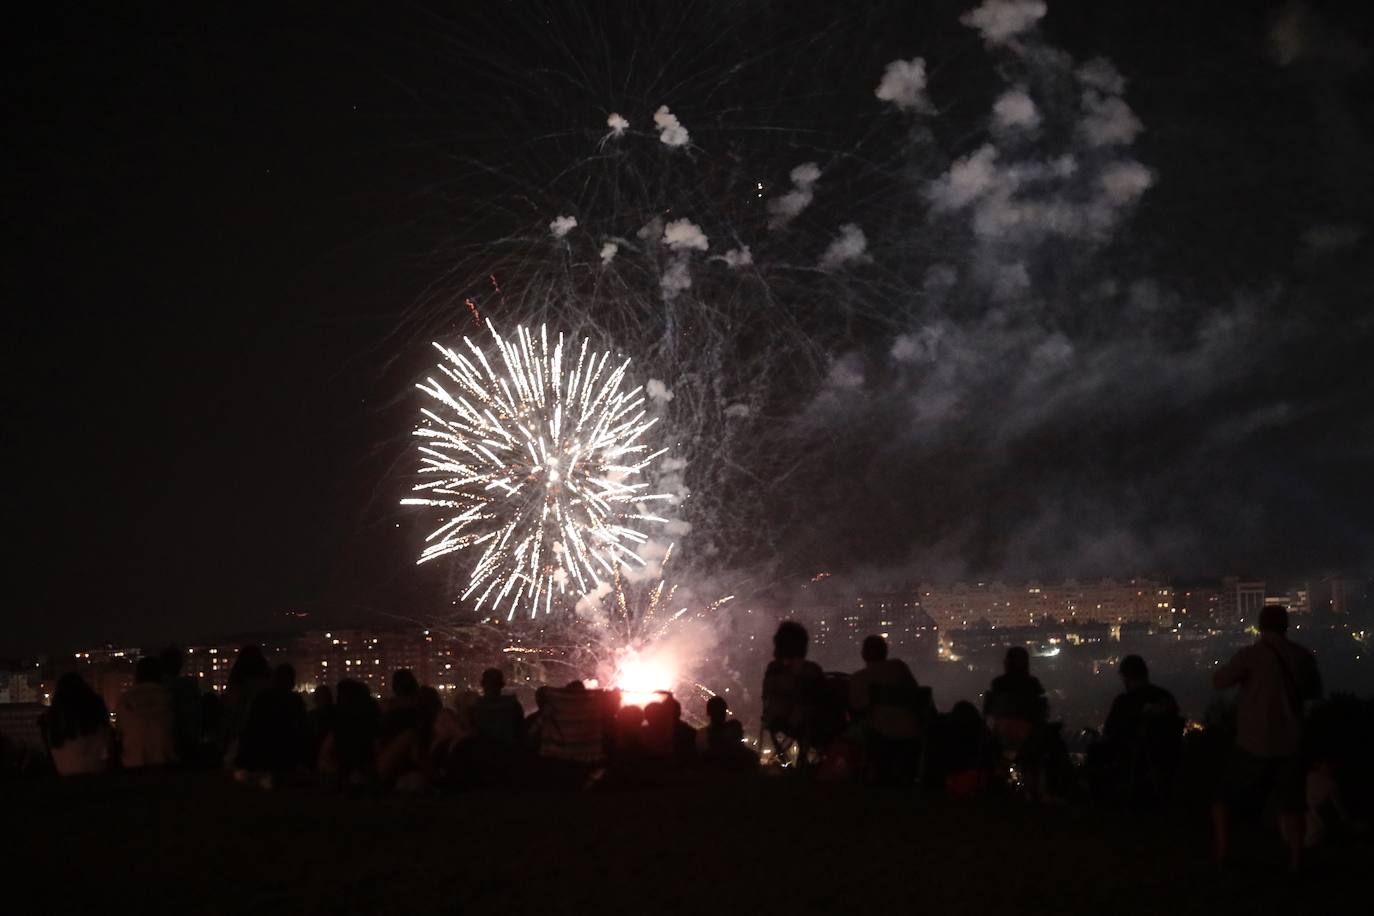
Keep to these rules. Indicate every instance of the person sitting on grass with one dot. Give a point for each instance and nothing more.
(147, 722)
(684, 737)
(348, 753)
(76, 728)
(499, 719)
(793, 690)
(720, 744)
(319, 720)
(965, 751)
(406, 758)
(402, 707)
(276, 736)
(627, 739)
(534, 722)
(1016, 711)
(185, 694)
(884, 699)
(249, 676)
(1142, 736)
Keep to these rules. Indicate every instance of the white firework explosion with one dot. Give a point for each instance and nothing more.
(540, 463)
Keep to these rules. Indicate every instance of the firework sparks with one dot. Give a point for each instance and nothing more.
(646, 644)
(536, 455)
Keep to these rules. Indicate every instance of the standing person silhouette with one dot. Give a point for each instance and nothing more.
(1277, 677)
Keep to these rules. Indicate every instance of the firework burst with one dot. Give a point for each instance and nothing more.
(536, 455)
(647, 643)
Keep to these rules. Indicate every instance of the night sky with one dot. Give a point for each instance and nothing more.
(219, 220)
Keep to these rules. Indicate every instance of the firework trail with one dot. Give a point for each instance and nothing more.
(537, 456)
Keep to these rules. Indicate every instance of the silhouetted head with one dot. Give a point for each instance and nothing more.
(1274, 619)
(657, 713)
(284, 677)
(70, 686)
(493, 682)
(576, 686)
(404, 684)
(874, 649)
(673, 709)
(353, 693)
(148, 670)
(322, 697)
(789, 642)
(541, 697)
(1133, 671)
(172, 661)
(77, 710)
(249, 665)
(717, 710)
(963, 710)
(1017, 661)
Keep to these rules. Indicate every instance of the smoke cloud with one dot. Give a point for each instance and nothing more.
(676, 279)
(736, 257)
(1015, 110)
(849, 246)
(670, 129)
(685, 235)
(1080, 186)
(904, 85)
(562, 225)
(1107, 119)
(784, 209)
(1329, 238)
(1029, 402)
(657, 391)
(1000, 21)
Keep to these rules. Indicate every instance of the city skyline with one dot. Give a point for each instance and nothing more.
(950, 606)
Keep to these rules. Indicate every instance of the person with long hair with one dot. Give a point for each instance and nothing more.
(76, 728)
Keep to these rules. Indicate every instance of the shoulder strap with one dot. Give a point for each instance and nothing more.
(1289, 684)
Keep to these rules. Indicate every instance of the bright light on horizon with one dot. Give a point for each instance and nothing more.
(641, 679)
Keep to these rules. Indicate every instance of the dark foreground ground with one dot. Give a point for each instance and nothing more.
(196, 843)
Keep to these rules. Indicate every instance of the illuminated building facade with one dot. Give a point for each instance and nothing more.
(998, 605)
(1241, 600)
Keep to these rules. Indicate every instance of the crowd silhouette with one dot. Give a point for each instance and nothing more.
(1277, 749)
